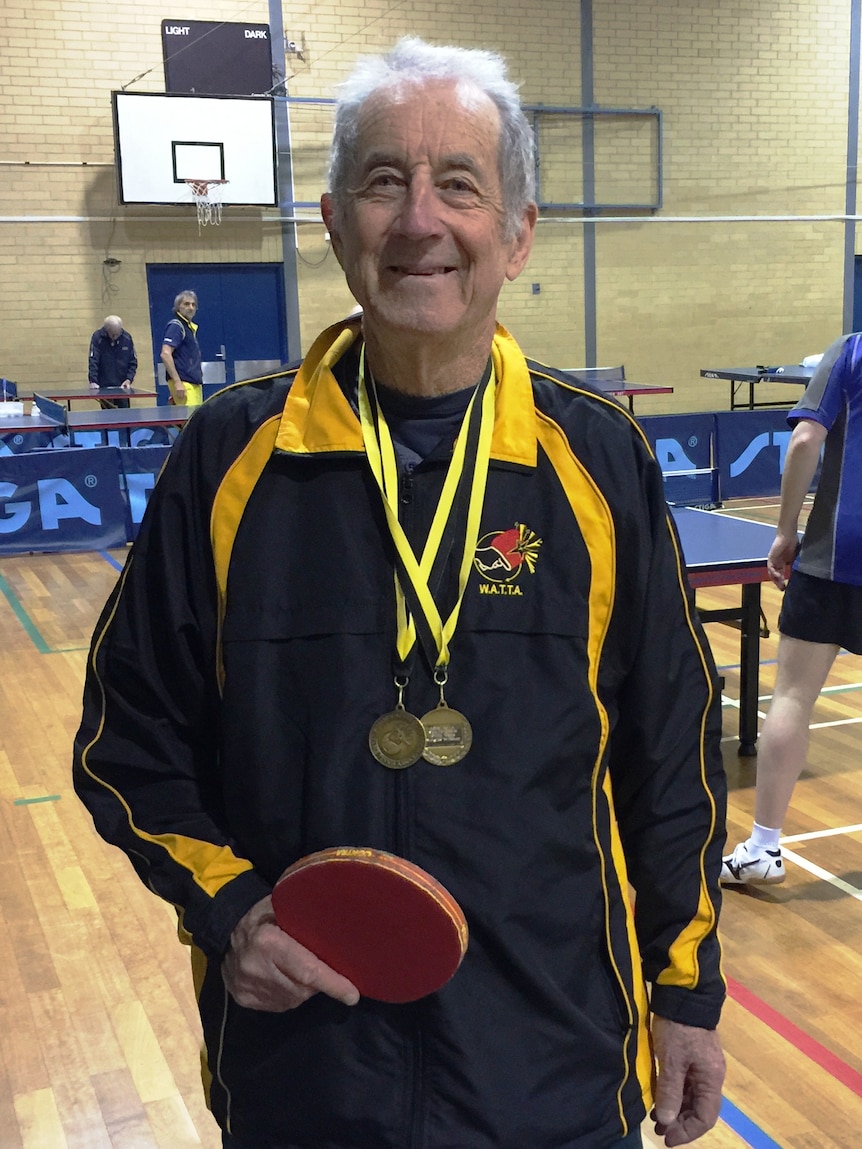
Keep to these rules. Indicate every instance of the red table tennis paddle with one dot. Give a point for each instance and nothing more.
(375, 918)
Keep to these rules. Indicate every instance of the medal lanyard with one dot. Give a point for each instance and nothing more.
(473, 445)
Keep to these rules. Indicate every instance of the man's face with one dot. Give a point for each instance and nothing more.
(187, 307)
(420, 235)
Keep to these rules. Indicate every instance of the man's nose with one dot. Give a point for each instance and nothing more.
(420, 209)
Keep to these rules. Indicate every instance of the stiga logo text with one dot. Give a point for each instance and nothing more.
(57, 500)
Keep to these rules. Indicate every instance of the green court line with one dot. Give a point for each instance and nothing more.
(30, 801)
(29, 626)
(24, 618)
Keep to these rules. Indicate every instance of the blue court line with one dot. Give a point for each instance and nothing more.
(745, 1128)
(31, 801)
(772, 662)
(110, 559)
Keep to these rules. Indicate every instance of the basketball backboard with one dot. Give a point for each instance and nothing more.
(163, 140)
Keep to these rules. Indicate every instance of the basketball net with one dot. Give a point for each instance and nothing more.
(205, 193)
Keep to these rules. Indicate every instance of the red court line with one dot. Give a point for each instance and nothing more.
(797, 1037)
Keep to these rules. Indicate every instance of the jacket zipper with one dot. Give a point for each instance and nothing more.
(402, 839)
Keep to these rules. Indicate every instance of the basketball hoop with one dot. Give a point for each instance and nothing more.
(205, 193)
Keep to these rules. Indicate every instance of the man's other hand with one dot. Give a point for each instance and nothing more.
(781, 556)
(690, 1076)
(267, 969)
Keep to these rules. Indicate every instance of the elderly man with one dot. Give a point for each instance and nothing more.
(181, 353)
(275, 616)
(112, 361)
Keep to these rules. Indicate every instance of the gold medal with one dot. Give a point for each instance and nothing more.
(448, 736)
(397, 739)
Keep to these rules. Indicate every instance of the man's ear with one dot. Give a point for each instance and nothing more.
(327, 210)
(523, 242)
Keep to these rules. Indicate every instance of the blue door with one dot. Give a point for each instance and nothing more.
(241, 313)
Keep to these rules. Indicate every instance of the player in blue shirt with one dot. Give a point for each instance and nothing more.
(822, 608)
(181, 353)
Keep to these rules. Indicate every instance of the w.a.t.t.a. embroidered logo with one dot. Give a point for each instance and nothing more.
(501, 556)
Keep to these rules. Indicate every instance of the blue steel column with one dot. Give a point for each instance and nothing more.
(852, 159)
(588, 163)
(284, 168)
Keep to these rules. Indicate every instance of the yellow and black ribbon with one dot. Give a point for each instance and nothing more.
(457, 516)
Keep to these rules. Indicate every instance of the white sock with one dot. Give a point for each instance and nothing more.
(764, 837)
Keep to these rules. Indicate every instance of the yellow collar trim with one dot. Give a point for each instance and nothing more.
(318, 418)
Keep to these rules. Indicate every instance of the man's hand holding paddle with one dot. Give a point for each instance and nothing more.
(267, 969)
(392, 928)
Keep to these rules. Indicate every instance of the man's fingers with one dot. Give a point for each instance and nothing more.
(318, 977)
(685, 1129)
(267, 969)
(668, 1099)
(690, 1075)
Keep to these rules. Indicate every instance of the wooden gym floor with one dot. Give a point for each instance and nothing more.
(98, 1026)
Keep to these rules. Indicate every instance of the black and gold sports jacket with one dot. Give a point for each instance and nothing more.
(239, 666)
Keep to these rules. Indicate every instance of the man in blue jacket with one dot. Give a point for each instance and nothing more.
(181, 353)
(275, 615)
(112, 361)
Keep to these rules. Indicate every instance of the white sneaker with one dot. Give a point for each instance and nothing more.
(750, 866)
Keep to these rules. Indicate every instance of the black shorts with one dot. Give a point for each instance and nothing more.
(819, 610)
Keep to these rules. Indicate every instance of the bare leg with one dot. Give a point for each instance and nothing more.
(783, 744)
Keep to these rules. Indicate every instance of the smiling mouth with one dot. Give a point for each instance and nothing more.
(422, 272)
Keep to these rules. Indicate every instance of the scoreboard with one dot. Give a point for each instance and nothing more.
(212, 58)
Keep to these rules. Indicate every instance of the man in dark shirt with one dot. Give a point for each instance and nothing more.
(113, 362)
(181, 353)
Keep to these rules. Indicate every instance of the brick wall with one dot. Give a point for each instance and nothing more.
(754, 112)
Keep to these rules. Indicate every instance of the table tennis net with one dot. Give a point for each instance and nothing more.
(597, 375)
(52, 410)
(692, 488)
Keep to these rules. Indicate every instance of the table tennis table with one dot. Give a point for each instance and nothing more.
(50, 415)
(612, 380)
(628, 390)
(721, 550)
(75, 394)
(737, 376)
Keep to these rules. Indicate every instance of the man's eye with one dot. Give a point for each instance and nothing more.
(459, 184)
(383, 180)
